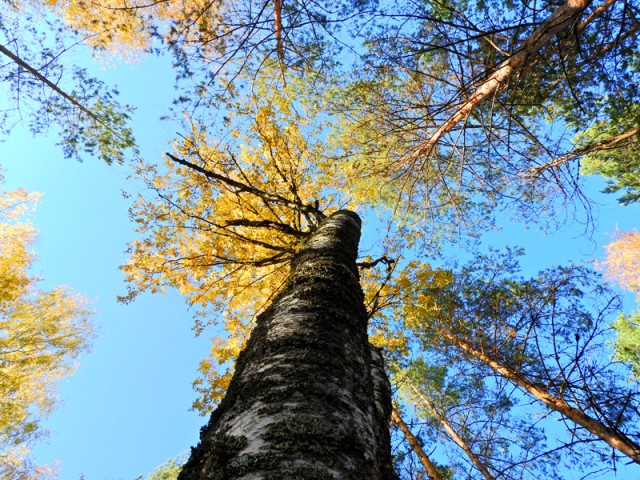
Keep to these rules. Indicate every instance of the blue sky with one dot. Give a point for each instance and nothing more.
(127, 409)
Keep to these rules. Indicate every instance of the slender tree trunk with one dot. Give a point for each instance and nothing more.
(614, 438)
(428, 465)
(309, 398)
(453, 434)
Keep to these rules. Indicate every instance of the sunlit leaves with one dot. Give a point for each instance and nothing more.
(428, 60)
(41, 333)
(169, 470)
(224, 215)
(622, 261)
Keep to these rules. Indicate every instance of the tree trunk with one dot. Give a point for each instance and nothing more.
(309, 398)
(453, 434)
(426, 462)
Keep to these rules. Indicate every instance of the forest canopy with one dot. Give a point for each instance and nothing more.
(433, 120)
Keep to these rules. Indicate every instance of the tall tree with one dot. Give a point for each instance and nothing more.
(443, 119)
(538, 335)
(467, 107)
(217, 226)
(309, 397)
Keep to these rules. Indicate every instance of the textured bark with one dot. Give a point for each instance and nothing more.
(309, 398)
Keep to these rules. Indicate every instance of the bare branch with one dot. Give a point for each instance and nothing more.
(609, 143)
(272, 197)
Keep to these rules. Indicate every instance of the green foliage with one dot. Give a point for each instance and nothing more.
(426, 59)
(104, 134)
(627, 342)
(48, 93)
(235, 207)
(169, 470)
(619, 166)
(550, 329)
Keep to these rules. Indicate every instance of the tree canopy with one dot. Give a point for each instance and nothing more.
(434, 118)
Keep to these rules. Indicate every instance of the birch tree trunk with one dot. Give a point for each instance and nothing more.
(309, 398)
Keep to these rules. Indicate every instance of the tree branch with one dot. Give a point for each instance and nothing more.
(609, 143)
(564, 16)
(243, 187)
(613, 438)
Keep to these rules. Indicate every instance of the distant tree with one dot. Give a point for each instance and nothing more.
(169, 470)
(622, 260)
(622, 266)
(627, 342)
(41, 334)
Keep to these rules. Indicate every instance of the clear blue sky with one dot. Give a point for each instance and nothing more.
(127, 409)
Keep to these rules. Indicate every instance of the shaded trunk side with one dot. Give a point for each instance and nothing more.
(309, 398)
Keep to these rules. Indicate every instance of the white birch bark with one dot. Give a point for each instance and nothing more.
(309, 398)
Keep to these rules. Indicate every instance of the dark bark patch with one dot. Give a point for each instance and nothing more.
(219, 450)
(315, 436)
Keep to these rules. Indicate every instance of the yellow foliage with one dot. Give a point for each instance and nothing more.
(223, 228)
(15, 464)
(401, 303)
(41, 333)
(393, 340)
(622, 261)
(417, 284)
(127, 27)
